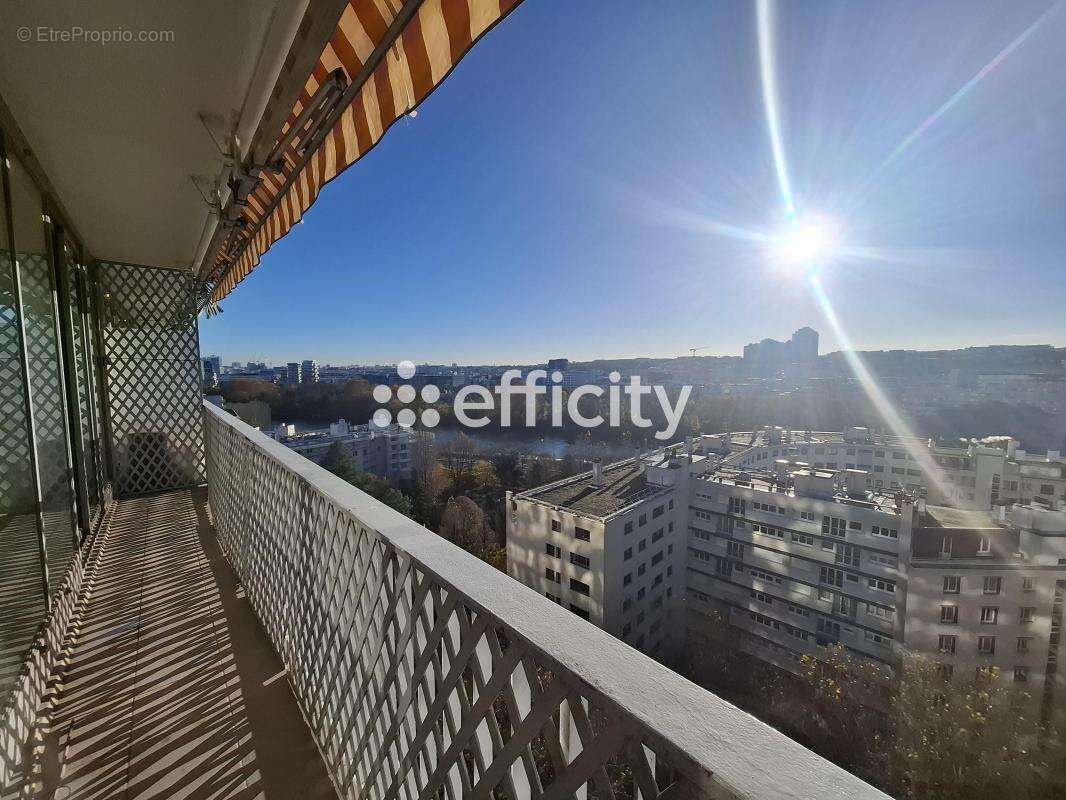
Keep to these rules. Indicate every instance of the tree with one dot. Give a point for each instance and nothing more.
(464, 523)
(508, 468)
(339, 461)
(459, 457)
(974, 738)
(484, 474)
(919, 735)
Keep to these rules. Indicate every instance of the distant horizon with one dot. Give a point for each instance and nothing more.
(228, 361)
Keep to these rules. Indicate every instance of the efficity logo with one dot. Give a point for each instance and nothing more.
(526, 389)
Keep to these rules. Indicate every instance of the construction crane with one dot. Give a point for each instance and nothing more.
(693, 350)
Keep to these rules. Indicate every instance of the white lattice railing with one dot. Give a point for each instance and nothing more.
(425, 673)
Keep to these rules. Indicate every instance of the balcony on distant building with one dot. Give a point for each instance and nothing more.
(189, 608)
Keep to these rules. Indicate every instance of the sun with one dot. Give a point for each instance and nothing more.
(804, 244)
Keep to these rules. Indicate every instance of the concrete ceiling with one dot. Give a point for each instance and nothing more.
(116, 126)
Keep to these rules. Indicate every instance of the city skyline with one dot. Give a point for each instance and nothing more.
(621, 237)
(544, 358)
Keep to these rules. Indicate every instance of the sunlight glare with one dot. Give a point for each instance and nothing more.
(804, 244)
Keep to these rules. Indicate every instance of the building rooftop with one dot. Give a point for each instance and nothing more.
(624, 483)
(761, 481)
(945, 517)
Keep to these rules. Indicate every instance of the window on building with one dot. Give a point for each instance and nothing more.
(554, 598)
(552, 575)
(833, 526)
(582, 534)
(628, 579)
(1021, 674)
(854, 526)
(579, 586)
(1028, 584)
(949, 615)
(556, 525)
(986, 645)
(989, 615)
(944, 671)
(642, 569)
(1047, 488)
(993, 585)
(1023, 644)
(643, 519)
(628, 528)
(806, 539)
(834, 577)
(657, 512)
(580, 561)
(888, 533)
(952, 584)
(881, 585)
(984, 546)
(581, 612)
(553, 550)
(627, 554)
(655, 559)
(1026, 614)
(657, 535)
(642, 545)
(847, 554)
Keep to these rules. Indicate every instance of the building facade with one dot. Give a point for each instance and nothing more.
(309, 371)
(666, 550)
(385, 452)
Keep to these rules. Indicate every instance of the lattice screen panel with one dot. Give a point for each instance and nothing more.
(411, 689)
(148, 327)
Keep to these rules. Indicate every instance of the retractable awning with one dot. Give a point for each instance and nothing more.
(383, 59)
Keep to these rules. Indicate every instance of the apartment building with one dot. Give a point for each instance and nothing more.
(793, 558)
(971, 474)
(609, 545)
(385, 452)
(309, 371)
(987, 592)
(796, 561)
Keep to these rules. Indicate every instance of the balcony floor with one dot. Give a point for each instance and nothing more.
(173, 690)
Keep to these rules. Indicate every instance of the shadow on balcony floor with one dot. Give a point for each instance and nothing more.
(173, 690)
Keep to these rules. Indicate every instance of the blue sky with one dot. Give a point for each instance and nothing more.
(570, 189)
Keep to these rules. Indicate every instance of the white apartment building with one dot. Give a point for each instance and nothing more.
(664, 549)
(385, 452)
(609, 545)
(987, 591)
(797, 560)
(972, 474)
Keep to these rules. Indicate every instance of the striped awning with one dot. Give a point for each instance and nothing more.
(432, 42)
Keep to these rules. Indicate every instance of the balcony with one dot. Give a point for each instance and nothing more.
(221, 635)
(189, 609)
